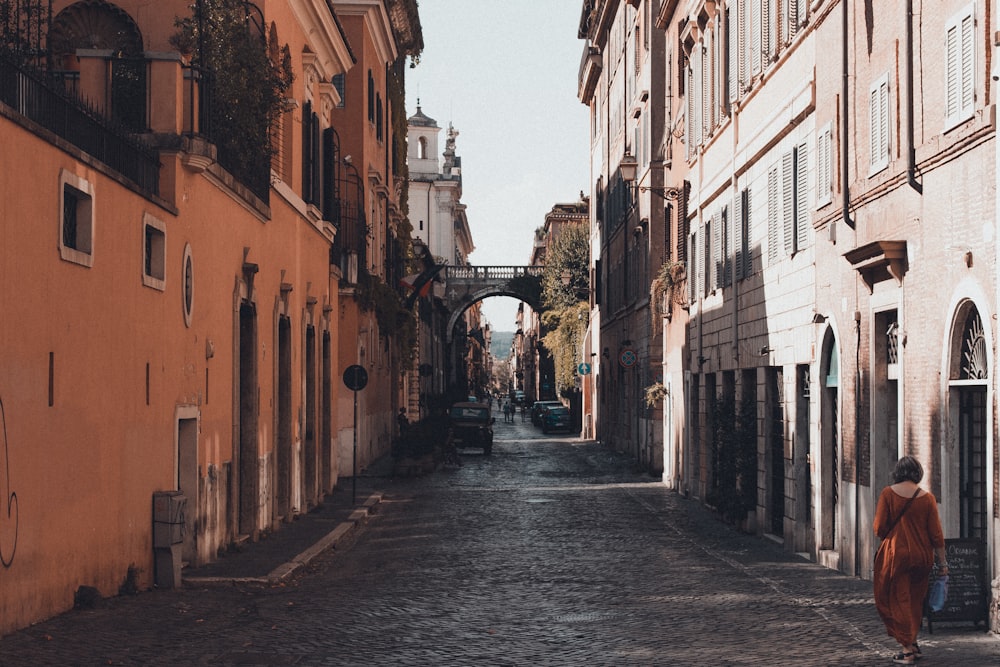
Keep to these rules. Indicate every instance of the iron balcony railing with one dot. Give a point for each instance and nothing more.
(30, 95)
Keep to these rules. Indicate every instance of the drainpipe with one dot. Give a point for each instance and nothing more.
(911, 151)
(857, 443)
(844, 108)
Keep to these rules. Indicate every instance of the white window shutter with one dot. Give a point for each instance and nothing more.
(735, 73)
(788, 201)
(755, 41)
(737, 225)
(968, 66)
(773, 202)
(802, 221)
(879, 124)
(824, 165)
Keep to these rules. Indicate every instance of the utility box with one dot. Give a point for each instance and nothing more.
(168, 536)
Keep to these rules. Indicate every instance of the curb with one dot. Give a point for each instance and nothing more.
(285, 570)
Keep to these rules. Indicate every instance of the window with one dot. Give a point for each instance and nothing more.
(371, 97)
(378, 117)
(188, 292)
(744, 263)
(773, 212)
(878, 107)
(422, 148)
(802, 220)
(311, 168)
(338, 84)
(959, 70)
(154, 252)
(824, 165)
(76, 220)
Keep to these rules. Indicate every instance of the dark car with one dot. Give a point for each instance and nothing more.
(470, 425)
(538, 410)
(556, 418)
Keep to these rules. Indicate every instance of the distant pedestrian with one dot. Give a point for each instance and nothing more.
(506, 411)
(907, 521)
(402, 421)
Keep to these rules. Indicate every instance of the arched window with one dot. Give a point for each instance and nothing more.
(422, 148)
(102, 26)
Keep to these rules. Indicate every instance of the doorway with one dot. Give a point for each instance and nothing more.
(248, 473)
(187, 478)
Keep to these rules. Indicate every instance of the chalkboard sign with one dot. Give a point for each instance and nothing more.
(967, 600)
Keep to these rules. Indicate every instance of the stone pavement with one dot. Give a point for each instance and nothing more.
(279, 554)
(553, 551)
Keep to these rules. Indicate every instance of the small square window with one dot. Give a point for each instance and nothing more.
(154, 253)
(76, 219)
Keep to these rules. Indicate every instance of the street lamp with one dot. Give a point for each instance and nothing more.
(628, 168)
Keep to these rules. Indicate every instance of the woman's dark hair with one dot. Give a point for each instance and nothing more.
(908, 468)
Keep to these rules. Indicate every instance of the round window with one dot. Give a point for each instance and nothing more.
(188, 294)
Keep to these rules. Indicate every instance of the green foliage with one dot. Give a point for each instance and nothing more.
(566, 312)
(567, 256)
(566, 328)
(247, 76)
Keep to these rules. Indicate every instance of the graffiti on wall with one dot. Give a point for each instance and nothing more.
(8, 509)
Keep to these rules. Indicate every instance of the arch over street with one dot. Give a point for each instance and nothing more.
(465, 285)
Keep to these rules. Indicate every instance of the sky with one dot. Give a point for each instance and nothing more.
(505, 75)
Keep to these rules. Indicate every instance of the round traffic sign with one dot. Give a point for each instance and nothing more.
(355, 377)
(583, 369)
(628, 357)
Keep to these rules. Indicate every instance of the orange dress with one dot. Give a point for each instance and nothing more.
(904, 561)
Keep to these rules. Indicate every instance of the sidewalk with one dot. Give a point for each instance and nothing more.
(277, 555)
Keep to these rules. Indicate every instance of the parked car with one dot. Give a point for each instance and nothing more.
(470, 425)
(518, 397)
(538, 410)
(556, 418)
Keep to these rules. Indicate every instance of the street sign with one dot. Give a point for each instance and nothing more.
(628, 358)
(355, 377)
(583, 369)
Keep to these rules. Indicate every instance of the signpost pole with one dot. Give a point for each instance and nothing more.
(354, 471)
(355, 378)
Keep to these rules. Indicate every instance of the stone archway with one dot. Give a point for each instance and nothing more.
(467, 285)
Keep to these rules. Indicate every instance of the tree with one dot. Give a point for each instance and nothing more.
(244, 79)
(565, 297)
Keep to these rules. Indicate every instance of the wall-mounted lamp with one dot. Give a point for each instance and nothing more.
(628, 167)
(702, 360)
(818, 318)
(764, 351)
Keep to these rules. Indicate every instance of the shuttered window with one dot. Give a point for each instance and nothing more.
(773, 212)
(878, 108)
(802, 220)
(734, 72)
(788, 200)
(824, 165)
(960, 53)
(717, 233)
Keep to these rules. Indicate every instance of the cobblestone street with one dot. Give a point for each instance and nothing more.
(552, 551)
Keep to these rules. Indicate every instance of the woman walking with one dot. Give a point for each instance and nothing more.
(907, 521)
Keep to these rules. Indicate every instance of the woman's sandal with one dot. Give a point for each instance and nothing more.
(905, 658)
(917, 653)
